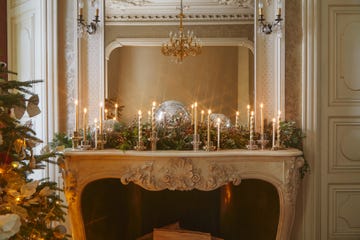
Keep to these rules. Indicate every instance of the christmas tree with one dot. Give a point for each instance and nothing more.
(29, 209)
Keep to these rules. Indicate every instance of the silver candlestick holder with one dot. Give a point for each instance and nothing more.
(196, 142)
(153, 140)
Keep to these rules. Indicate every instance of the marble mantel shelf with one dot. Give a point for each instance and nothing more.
(184, 170)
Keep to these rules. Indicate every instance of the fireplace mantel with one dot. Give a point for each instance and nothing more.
(183, 170)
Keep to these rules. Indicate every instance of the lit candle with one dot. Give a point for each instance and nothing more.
(208, 129)
(105, 113)
(251, 127)
(96, 9)
(192, 114)
(139, 130)
(100, 118)
(195, 118)
(273, 132)
(96, 132)
(153, 126)
(218, 120)
(202, 116)
(279, 5)
(248, 116)
(76, 115)
(237, 119)
(116, 110)
(278, 129)
(261, 5)
(85, 123)
(261, 121)
(81, 5)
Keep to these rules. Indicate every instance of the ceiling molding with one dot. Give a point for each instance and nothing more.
(161, 12)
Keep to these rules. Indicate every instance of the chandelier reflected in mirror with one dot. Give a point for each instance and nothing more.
(180, 44)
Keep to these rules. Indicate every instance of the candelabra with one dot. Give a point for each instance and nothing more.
(268, 27)
(82, 25)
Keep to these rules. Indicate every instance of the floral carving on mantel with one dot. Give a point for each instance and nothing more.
(292, 178)
(70, 179)
(181, 174)
(238, 3)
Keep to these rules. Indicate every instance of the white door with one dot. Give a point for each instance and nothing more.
(340, 119)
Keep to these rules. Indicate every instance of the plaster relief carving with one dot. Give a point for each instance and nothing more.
(292, 178)
(347, 208)
(238, 3)
(181, 174)
(70, 180)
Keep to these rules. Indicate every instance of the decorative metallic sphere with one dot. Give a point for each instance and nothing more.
(224, 120)
(171, 114)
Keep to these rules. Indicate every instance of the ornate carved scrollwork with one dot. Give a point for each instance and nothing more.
(292, 178)
(239, 3)
(181, 174)
(70, 181)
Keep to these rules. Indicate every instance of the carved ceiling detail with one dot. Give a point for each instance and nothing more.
(124, 12)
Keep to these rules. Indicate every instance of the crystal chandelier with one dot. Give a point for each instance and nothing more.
(181, 45)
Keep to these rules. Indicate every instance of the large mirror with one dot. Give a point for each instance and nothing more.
(220, 78)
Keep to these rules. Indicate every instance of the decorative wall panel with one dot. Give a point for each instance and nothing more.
(344, 144)
(344, 211)
(344, 71)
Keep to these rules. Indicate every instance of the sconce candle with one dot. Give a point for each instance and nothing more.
(81, 5)
(218, 120)
(76, 115)
(261, 5)
(279, 5)
(85, 123)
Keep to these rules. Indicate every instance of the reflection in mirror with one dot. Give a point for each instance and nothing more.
(221, 79)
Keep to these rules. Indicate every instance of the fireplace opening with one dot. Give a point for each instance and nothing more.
(112, 210)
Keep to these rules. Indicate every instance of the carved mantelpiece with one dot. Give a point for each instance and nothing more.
(184, 170)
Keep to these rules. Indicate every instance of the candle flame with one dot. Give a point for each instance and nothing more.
(139, 112)
(85, 110)
(154, 103)
(274, 120)
(248, 107)
(101, 104)
(76, 102)
(95, 121)
(218, 120)
(252, 113)
(279, 112)
(237, 113)
(192, 105)
(261, 105)
(195, 104)
(116, 105)
(209, 111)
(202, 111)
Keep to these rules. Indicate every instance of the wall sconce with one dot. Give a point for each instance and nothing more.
(267, 27)
(82, 25)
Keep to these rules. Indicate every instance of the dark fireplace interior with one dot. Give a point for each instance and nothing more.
(112, 210)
